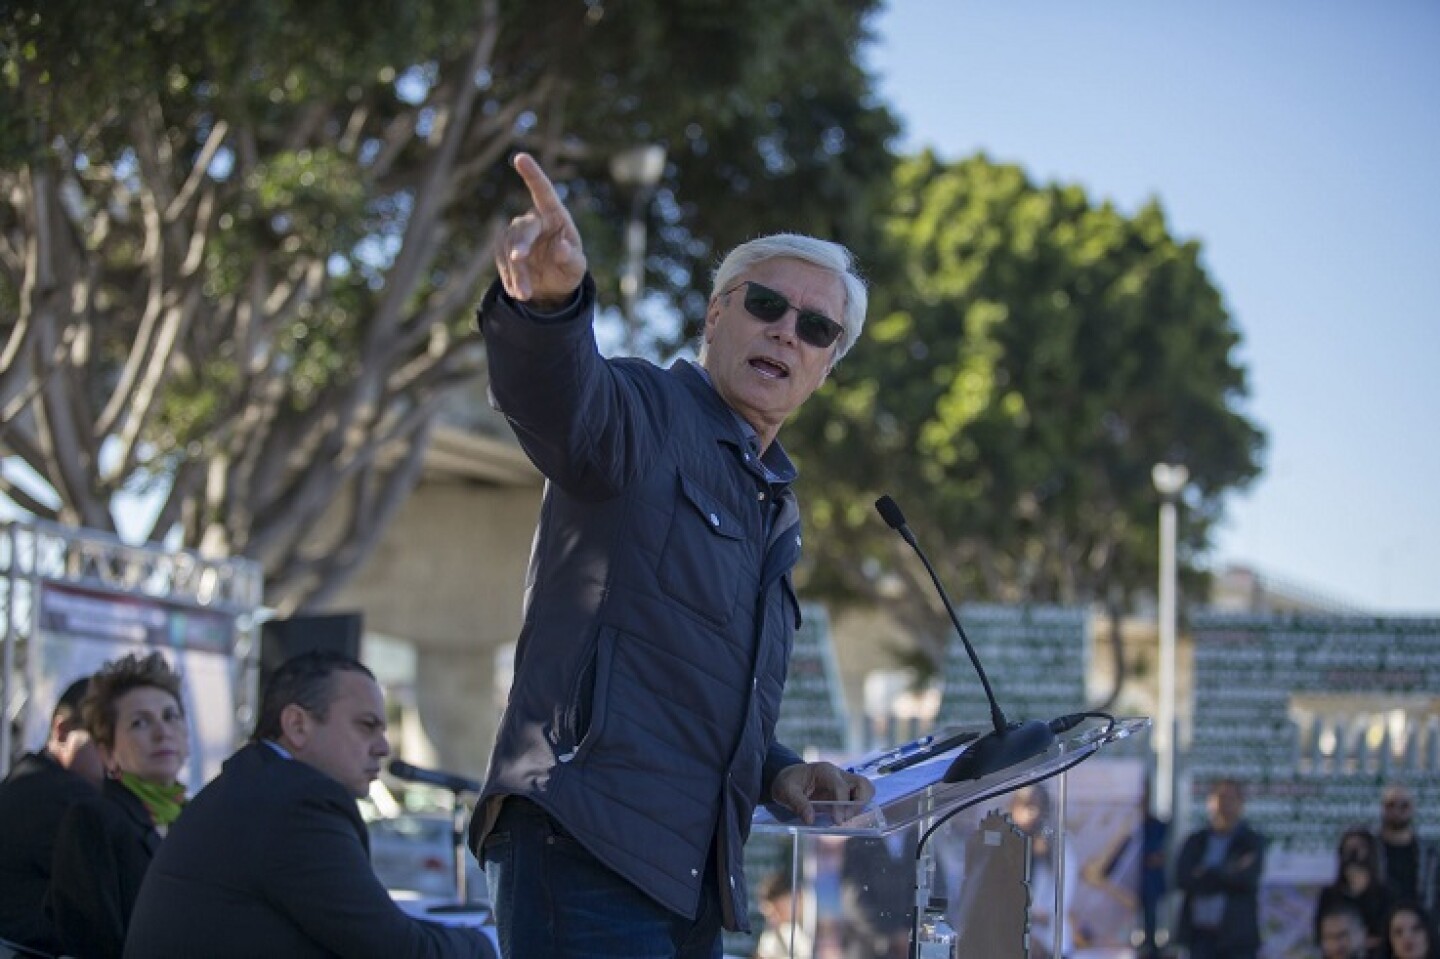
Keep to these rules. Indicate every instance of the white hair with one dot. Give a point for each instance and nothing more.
(821, 253)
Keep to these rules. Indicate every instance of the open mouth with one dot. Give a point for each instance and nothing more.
(770, 368)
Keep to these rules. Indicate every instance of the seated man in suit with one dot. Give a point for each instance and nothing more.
(33, 799)
(272, 857)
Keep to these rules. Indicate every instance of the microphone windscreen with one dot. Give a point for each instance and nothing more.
(890, 512)
(400, 769)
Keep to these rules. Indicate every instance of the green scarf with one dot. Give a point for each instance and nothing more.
(162, 802)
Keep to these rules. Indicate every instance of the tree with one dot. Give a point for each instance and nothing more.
(239, 244)
(1031, 356)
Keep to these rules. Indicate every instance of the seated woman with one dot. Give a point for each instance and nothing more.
(106, 842)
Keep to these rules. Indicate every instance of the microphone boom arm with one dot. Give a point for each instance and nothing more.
(997, 716)
(1008, 743)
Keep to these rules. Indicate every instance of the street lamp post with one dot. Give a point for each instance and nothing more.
(1169, 481)
(638, 169)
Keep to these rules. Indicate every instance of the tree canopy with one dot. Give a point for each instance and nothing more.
(1029, 356)
(239, 244)
(239, 247)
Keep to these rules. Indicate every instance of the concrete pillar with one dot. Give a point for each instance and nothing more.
(454, 696)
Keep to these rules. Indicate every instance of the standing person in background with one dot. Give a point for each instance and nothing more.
(1218, 870)
(784, 936)
(105, 844)
(1032, 812)
(877, 895)
(34, 797)
(1359, 883)
(1409, 863)
(659, 608)
(1154, 834)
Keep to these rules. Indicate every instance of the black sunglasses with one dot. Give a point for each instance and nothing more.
(767, 306)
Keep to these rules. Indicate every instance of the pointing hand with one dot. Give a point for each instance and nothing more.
(540, 258)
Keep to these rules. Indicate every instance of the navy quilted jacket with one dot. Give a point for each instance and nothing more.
(659, 612)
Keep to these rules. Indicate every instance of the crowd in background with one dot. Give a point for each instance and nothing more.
(1380, 904)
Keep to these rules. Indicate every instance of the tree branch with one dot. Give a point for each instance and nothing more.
(25, 501)
(142, 349)
(371, 518)
(312, 494)
(182, 487)
(176, 209)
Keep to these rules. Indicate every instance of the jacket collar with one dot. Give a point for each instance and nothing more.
(134, 810)
(730, 427)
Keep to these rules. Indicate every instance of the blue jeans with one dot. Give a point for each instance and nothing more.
(554, 900)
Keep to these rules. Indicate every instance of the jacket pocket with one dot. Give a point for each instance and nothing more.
(588, 698)
(701, 564)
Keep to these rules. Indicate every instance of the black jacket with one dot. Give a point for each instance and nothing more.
(34, 798)
(659, 612)
(1427, 873)
(272, 859)
(103, 849)
(1237, 879)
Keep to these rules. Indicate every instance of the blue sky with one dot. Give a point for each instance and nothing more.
(1299, 142)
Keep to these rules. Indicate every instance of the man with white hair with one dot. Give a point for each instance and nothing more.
(659, 615)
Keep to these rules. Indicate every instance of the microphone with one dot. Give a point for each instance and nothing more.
(432, 777)
(1008, 743)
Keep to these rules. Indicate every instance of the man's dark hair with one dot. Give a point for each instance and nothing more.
(1348, 908)
(68, 708)
(1226, 781)
(303, 680)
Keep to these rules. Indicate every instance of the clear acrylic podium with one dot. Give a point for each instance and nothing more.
(936, 869)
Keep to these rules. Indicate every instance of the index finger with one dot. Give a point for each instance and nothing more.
(542, 191)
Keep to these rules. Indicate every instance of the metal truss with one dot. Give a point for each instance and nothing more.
(35, 552)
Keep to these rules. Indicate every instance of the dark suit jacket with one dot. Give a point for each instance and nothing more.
(104, 846)
(272, 859)
(877, 888)
(33, 799)
(1237, 879)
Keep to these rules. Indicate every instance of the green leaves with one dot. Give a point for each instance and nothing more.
(1035, 355)
(268, 223)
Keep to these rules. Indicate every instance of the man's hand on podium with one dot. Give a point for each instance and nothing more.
(795, 788)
